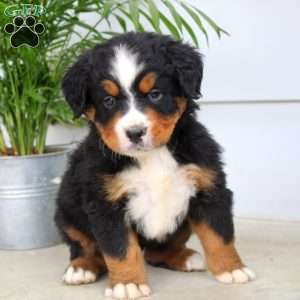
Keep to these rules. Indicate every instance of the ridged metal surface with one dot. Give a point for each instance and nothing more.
(28, 188)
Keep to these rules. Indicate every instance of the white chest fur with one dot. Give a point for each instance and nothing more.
(159, 194)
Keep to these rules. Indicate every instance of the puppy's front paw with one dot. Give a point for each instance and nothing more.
(130, 291)
(242, 275)
(76, 276)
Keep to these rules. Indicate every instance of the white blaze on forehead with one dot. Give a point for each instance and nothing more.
(125, 67)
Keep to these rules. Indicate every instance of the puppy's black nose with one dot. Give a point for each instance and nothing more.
(136, 133)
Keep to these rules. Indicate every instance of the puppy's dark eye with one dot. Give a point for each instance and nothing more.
(155, 95)
(109, 102)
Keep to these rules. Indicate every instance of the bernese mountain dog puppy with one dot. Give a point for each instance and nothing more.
(148, 175)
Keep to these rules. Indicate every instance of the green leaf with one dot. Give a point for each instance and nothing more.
(134, 13)
(172, 29)
(212, 23)
(128, 15)
(89, 28)
(196, 18)
(174, 14)
(148, 18)
(190, 31)
(154, 13)
(107, 7)
(3, 18)
(121, 22)
(111, 33)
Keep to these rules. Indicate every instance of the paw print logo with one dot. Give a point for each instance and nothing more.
(24, 31)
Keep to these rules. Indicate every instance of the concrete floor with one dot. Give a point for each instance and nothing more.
(272, 249)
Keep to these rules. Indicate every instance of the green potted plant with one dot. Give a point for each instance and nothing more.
(31, 67)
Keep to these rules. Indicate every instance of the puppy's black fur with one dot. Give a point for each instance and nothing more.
(82, 202)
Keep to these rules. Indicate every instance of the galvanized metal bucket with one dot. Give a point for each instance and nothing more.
(28, 188)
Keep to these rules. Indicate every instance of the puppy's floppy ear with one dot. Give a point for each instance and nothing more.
(188, 67)
(75, 84)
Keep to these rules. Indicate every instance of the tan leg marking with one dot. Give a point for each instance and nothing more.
(131, 268)
(203, 178)
(87, 244)
(177, 256)
(127, 276)
(86, 268)
(220, 257)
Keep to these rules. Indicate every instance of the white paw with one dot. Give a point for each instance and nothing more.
(78, 276)
(130, 291)
(237, 276)
(195, 263)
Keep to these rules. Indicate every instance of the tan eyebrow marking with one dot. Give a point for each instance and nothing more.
(147, 82)
(110, 87)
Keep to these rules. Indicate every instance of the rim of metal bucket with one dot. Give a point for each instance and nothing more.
(54, 150)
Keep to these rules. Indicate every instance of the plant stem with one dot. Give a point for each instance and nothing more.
(41, 139)
(9, 125)
(3, 149)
